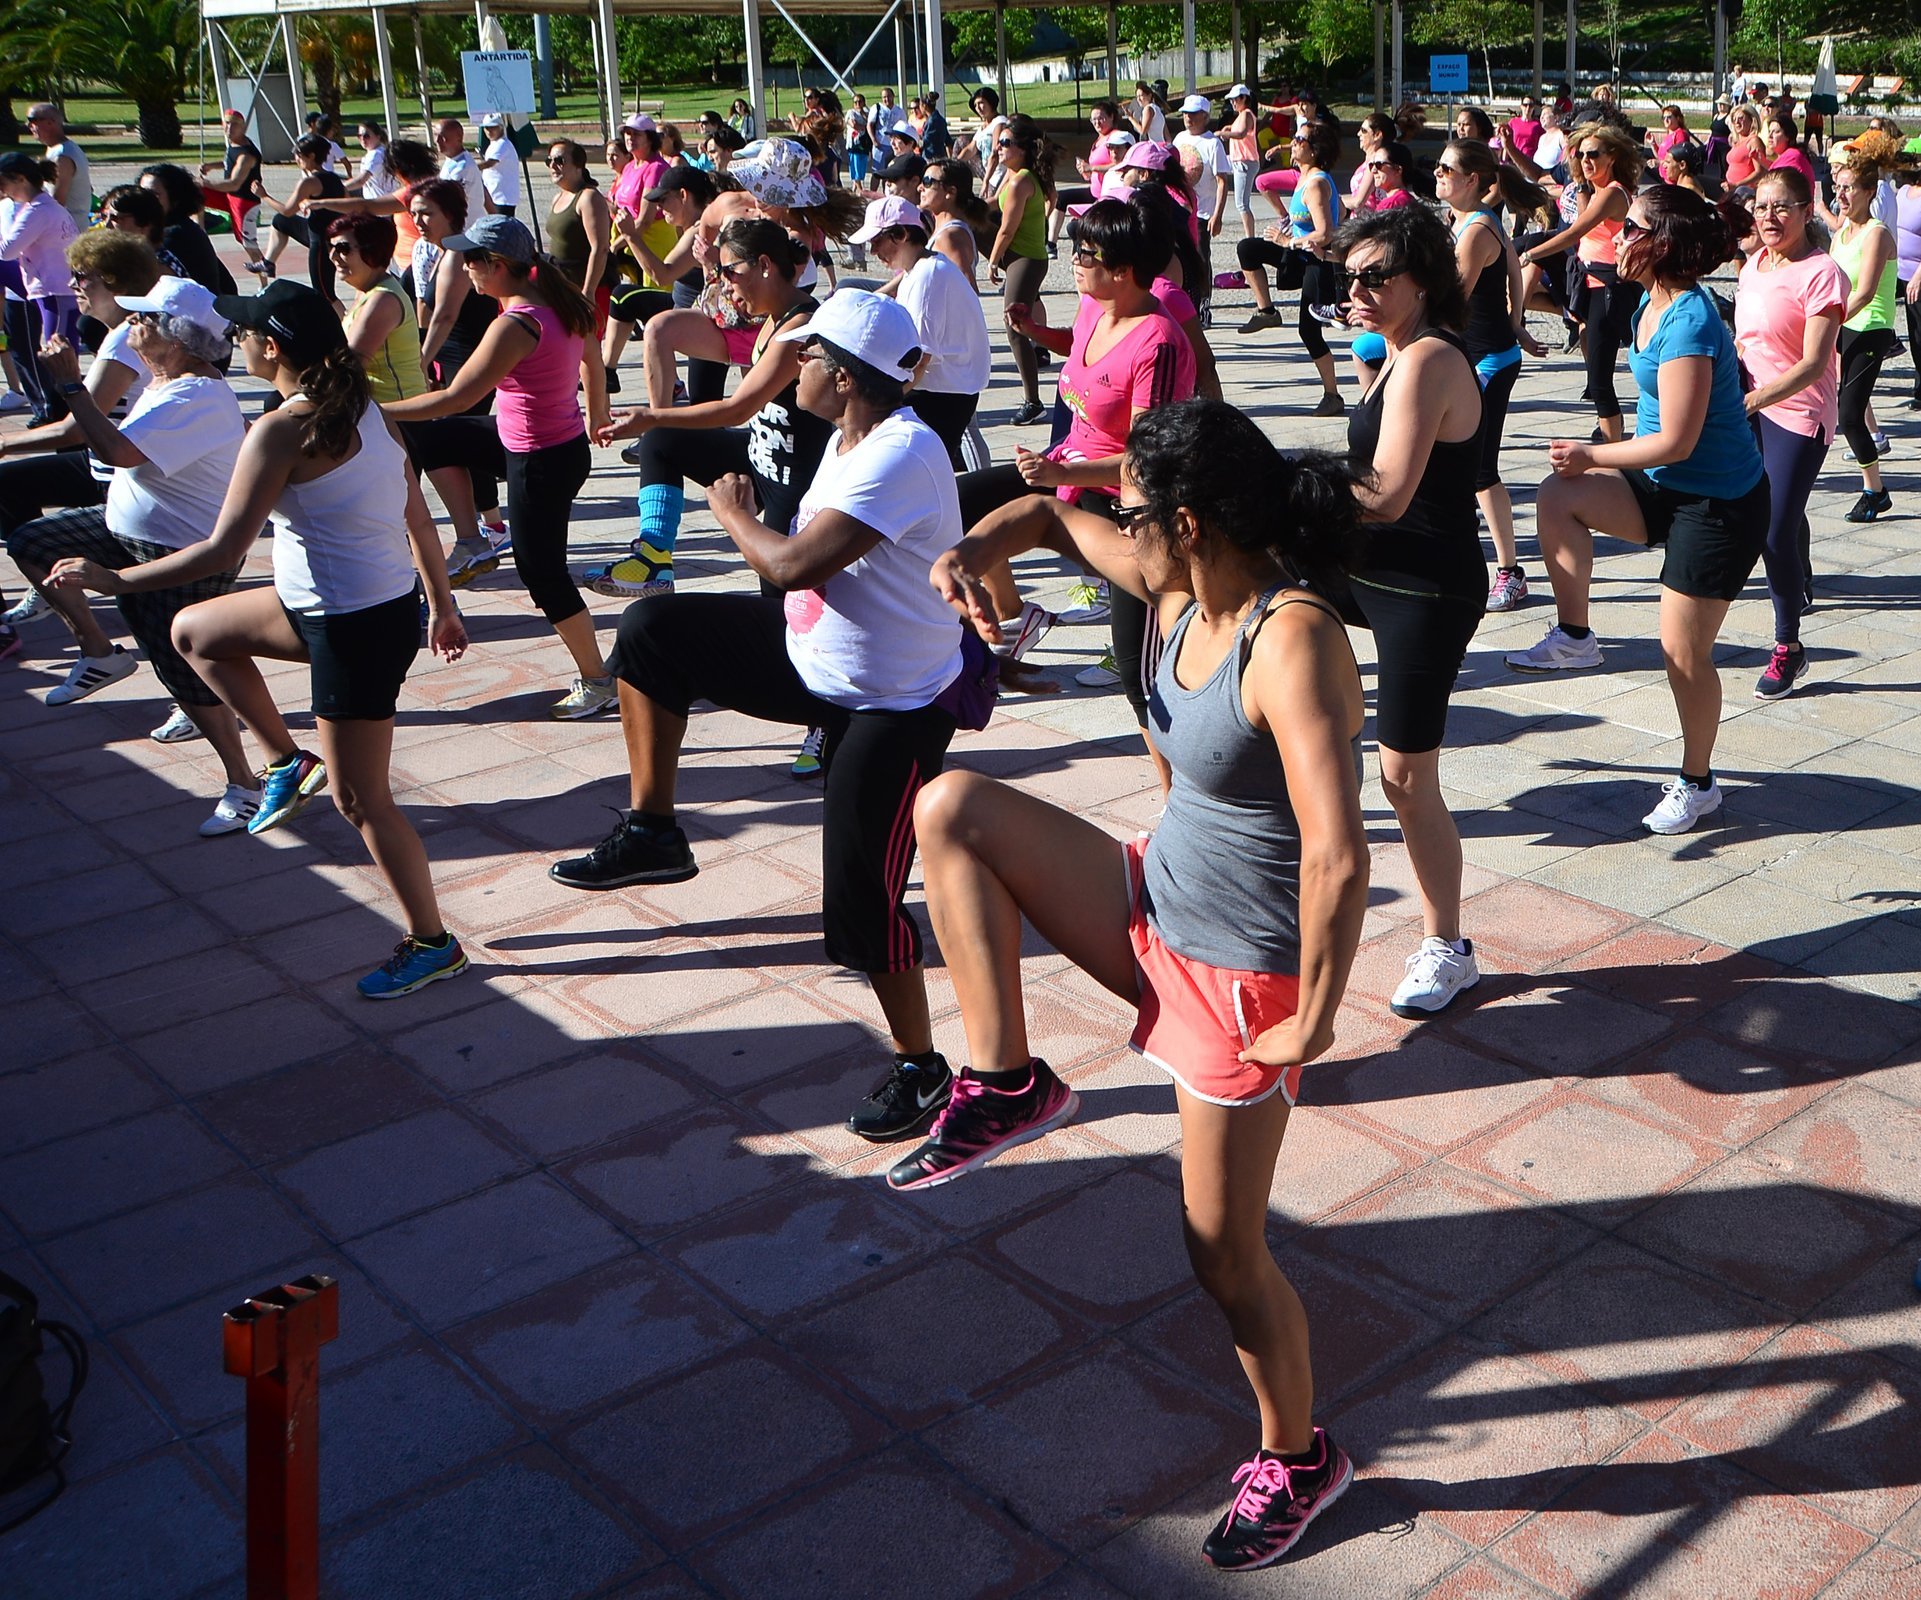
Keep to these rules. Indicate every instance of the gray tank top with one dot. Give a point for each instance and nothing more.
(1222, 877)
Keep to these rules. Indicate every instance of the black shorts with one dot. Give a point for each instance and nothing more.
(1710, 546)
(1420, 641)
(360, 658)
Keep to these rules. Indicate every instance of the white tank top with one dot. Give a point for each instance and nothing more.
(340, 540)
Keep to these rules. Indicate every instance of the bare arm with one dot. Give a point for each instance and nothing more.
(777, 367)
(503, 347)
(1683, 386)
(1602, 205)
(450, 294)
(1035, 522)
(596, 216)
(107, 381)
(64, 169)
(831, 542)
(376, 205)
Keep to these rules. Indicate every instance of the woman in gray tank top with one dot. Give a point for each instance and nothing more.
(1232, 929)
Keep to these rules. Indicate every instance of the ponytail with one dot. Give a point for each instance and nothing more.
(336, 387)
(563, 296)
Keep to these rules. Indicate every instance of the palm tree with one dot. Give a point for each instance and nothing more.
(146, 49)
(23, 60)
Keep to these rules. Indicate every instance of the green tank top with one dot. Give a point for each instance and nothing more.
(1030, 237)
(393, 371)
(567, 242)
(1848, 255)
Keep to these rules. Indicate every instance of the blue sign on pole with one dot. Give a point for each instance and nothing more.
(1447, 74)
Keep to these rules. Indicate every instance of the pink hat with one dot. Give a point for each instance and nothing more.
(640, 122)
(889, 211)
(1152, 154)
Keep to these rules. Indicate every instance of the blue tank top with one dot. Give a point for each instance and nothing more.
(1221, 881)
(1301, 219)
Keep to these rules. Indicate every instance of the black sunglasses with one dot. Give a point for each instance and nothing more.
(1375, 279)
(1126, 516)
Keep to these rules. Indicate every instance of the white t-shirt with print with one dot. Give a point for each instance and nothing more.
(1203, 158)
(875, 636)
(947, 314)
(118, 346)
(189, 429)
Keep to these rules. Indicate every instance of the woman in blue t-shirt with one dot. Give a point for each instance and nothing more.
(1690, 481)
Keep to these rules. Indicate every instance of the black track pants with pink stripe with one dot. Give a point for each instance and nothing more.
(731, 651)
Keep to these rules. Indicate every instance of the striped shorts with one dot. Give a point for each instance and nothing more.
(83, 532)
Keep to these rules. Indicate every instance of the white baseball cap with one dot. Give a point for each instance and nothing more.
(1239, 92)
(1197, 105)
(870, 327)
(889, 211)
(182, 298)
(491, 120)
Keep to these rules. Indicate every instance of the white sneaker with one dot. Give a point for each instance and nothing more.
(234, 811)
(499, 537)
(1558, 652)
(1025, 632)
(91, 674)
(30, 605)
(1099, 676)
(1682, 805)
(1436, 973)
(466, 562)
(586, 699)
(11, 400)
(177, 729)
(1087, 602)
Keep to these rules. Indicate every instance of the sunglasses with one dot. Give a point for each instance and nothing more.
(556, 161)
(1126, 516)
(1594, 155)
(340, 247)
(1007, 144)
(1630, 229)
(1449, 168)
(1084, 257)
(1374, 279)
(731, 270)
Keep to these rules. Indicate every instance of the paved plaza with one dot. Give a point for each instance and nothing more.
(1609, 1271)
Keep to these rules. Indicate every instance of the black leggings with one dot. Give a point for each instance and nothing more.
(1496, 391)
(948, 415)
(1610, 313)
(1320, 284)
(22, 323)
(1912, 313)
(731, 650)
(312, 232)
(31, 486)
(1861, 358)
(1793, 462)
(706, 380)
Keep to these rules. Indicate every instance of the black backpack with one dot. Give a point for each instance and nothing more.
(33, 1436)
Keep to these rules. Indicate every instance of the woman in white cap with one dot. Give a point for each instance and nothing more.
(956, 360)
(499, 166)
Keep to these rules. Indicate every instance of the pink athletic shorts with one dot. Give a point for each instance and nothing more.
(1195, 1020)
(740, 344)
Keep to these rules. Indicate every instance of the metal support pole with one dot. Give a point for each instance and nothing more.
(1540, 42)
(290, 38)
(1573, 33)
(1399, 58)
(1113, 51)
(1187, 46)
(756, 73)
(420, 74)
(1380, 58)
(936, 55)
(610, 65)
(384, 59)
(544, 61)
(900, 61)
(1234, 18)
(1000, 53)
(273, 1341)
(1720, 50)
(217, 65)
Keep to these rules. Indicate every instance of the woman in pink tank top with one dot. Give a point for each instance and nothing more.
(536, 356)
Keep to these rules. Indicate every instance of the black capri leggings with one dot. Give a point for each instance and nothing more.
(1496, 391)
(31, 486)
(1320, 284)
(1610, 315)
(731, 650)
(312, 232)
(948, 415)
(1861, 358)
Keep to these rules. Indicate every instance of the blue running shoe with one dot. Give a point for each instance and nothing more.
(413, 965)
(286, 789)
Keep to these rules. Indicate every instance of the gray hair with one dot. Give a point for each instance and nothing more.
(193, 338)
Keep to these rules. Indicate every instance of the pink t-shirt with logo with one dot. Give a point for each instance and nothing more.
(538, 403)
(1771, 312)
(1152, 364)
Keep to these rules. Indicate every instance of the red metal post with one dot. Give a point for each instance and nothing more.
(273, 1341)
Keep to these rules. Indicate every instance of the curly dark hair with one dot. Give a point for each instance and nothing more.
(1415, 241)
(1686, 237)
(1212, 459)
(1323, 141)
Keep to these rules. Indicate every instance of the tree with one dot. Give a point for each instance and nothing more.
(1768, 25)
(146, 49)
(1332, 31)
(1477, 26)
(23, 60)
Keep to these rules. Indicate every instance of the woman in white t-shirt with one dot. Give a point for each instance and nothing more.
(373, 177)
(956, 359)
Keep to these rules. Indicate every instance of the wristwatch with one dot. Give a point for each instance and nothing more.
(73, 388)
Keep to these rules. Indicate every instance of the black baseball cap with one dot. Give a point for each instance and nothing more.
(907, 166)
(301, 322)
(676, 178)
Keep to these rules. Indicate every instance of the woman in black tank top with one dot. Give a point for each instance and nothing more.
(1417, 435)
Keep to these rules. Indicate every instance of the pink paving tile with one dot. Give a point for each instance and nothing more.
(1535, 926)
(168, 993)
(990, 1332)
(1817, 1022)
(821, 1544)
(394, 1170)
(111, 1169)
(586, 1102)
(1112, 1250)
(761, 1037)
(1877, 1311)
(1550, 1153)
(296, 895)
(1820, 1420)
(1477, 1441)
(488, 1041)
(1639, 1333)
(229, 1047)
(122, 943)
(1559, 1028)
(486, 902)
(1857, 1141)
(577, 1344)
(1767, 1232)
(812, 1102)
(642, 1002)
(676, 1453)
(588, 933)
(318, 1102)
(1907, 1532)
(800, 1246)
(1430, 1092)
(1482, 1579)
(1325, 1163)
(1364, 1546)
(1009, 1186)
(1884, 1573)
(660, 1180)
(1677, 974)
(1703, 1086)
(1047, 1446)
(1450, 1243)
(530, 777)
(1127, 1104)
(341, 945)
(67, 901)
(1084, 777)
(1660, 1520)
(48, 1028)
(42, 1103)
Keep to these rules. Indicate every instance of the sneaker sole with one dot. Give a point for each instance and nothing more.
(1685, 827)
(308, 789)
(1537, 671)
(813, 769)
(1782, 694)
(656, 875)
(420, 983)
(1406, 1009)
(557, 714)
(1334, 1493)
(628, 591)
(1026, 1136)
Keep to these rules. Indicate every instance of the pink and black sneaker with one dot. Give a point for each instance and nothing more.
(1275, 1504)
(980, 1121)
